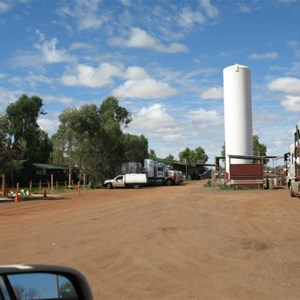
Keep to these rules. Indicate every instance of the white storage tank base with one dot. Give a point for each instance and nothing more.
(237, 113)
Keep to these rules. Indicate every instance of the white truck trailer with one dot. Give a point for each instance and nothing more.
(292, 160)
(127, 180)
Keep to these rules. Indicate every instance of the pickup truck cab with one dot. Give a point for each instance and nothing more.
(126, 180)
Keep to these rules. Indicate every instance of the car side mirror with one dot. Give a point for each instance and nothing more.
(26, 282)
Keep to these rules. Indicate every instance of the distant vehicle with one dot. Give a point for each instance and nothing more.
(127, 180)
(292, 160)
(42, 282)
(161, 174)
(153, 173)
(205, 174)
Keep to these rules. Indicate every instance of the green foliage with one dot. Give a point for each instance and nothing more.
(152, 154)
(135, 147)
(7, 153)
(29, 141)
(91, 139)
(189, 156)
(169, 157)
(258, 148)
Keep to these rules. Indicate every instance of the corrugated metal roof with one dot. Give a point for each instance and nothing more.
(50, 167)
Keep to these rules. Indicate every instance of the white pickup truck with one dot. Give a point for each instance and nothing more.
(127, 180)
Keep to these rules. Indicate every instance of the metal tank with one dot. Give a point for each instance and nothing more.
(237, 113)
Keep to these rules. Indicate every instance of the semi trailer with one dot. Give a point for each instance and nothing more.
(292, 160)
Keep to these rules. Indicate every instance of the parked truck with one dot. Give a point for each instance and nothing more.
(160, 173)
(292, 160)
(126, 180)
(153, 173)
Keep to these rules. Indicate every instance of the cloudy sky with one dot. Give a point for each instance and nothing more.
(163, 59)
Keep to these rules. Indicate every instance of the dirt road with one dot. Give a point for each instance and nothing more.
(181, 242)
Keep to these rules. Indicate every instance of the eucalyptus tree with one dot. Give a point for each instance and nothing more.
(91, 138)
(135, 147)
(29, 140)
(6, 150)
(170, 157)
(188, 156)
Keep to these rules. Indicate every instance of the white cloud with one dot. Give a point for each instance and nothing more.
(138, 84)
(290, 86)
(4, 6)
(52, 55)
(84, 75)
(58, 99)
(291, 103)
(267, 55)
(295, 46)
(212, 93)
(244, 8)
(86, 13)
(135, 72)
(126, 2)
(28, 60)
(147, 88)
(202, 118)
(48, 125)
(76, 46)
(210, 10)
(188, 18)
(139, 38)
(278, 142)
(8, 96)
(156, 122)
(287, 85)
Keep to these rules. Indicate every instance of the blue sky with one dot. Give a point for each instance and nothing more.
(162, 59)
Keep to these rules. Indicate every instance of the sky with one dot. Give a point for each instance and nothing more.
(162, 59)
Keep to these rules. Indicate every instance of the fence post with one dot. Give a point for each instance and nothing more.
(69, 181)
(51, 182)
(79, 187)
(30, 187)
(3, 184)
(84, 181)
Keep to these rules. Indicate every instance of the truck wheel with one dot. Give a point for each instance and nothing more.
(168, 182)
(109, 186)
(136, 186)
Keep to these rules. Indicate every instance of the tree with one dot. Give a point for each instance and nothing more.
(258, 148)
(152, 154)
(6, 156)
(112, 118)
(199, 156)
(29, 140)
(189, 156)
(91, 138)
(135, 147)
(185, 156)
(170, 157)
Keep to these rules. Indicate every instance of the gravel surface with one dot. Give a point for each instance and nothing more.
(178, 242)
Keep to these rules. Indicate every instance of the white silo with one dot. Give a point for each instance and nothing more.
(237, 113)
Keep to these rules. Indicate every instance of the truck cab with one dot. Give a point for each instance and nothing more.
(118, 181)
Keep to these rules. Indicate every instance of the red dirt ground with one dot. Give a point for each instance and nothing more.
(179, 242)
